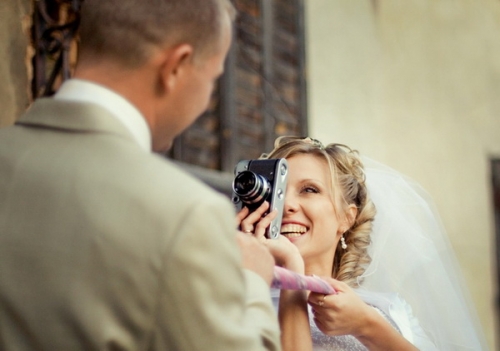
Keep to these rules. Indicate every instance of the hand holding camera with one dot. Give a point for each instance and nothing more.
(259, 194)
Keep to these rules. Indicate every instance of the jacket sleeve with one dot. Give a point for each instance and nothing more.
(261, 314)
(207, 301)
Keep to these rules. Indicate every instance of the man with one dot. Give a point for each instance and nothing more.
(104, 245)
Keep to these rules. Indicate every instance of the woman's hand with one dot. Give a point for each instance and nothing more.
(341, 313)
(256, 223)
(344, 313)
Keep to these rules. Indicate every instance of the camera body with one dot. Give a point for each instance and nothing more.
(257, 181)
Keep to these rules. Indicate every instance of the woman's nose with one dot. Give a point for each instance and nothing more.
(291, 205)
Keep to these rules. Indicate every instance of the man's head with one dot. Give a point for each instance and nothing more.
(129, 31)
(164, 56)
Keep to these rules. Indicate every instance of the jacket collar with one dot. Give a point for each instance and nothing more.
(73, 116)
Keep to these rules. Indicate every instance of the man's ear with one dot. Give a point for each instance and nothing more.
(172, 63)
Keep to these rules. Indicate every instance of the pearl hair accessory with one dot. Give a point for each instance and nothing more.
(314, 142)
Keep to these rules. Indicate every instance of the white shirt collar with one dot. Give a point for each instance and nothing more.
(124, 111)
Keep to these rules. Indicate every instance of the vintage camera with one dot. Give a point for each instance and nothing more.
(257, 181)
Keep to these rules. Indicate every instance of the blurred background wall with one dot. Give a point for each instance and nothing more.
(416, 84)
(14, 18)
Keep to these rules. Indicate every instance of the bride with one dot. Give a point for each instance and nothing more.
(375, 236)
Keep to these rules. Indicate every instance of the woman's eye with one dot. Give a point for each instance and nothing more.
(310, 189)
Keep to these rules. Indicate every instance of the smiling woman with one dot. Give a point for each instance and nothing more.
(309, 208)
(373, 235)
(328, 186)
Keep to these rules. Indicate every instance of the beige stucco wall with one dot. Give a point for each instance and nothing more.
(416, 84)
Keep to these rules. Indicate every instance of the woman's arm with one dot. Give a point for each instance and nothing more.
(292, 314)
(294, 321)
(346, 314)
(379, 335)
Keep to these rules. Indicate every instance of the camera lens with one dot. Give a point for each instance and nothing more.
(251, 187)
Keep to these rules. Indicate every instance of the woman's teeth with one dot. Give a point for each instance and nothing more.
(292, 230)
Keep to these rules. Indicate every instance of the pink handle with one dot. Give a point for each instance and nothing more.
(286, 279)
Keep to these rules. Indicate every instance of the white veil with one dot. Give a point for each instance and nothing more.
(412, 256)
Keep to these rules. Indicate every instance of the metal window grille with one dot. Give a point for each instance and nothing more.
(53, 37)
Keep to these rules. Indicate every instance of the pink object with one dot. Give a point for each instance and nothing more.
(286, 279)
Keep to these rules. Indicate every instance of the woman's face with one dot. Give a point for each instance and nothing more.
(309, 218)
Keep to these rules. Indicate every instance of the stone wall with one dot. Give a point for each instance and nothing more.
(14, 85)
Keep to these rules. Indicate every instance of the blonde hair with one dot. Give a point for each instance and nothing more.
(347, 174)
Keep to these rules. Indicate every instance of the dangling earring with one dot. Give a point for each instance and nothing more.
(342, 242)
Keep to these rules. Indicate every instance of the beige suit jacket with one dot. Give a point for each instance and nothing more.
(106, 247)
